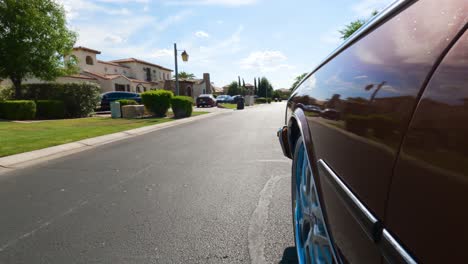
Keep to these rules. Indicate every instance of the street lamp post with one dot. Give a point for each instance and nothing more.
(185, 57)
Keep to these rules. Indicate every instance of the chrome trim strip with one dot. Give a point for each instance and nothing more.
(369, 223)
(392, 251)
(371, 24)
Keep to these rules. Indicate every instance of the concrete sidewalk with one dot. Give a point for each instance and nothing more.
(26, 159)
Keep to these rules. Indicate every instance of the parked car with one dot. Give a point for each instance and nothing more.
(313, 109)
(206, 100)
(331, 114)
(108, 97)
(237, 98)
(223, 99)
(389, 182)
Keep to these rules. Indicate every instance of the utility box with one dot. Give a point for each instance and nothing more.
(115, 110)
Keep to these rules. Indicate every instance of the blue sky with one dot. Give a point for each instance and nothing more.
(277, 39)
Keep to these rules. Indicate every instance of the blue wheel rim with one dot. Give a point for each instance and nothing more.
(312, 239)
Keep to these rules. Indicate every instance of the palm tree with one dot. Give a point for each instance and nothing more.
(186, 75)
(371, 86)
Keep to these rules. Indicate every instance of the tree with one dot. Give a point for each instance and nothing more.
(298, 80)
(255, 86)
(239, 83)
(265, 89)
(34, 41)
(186, 75)
(354, 26)
(233, 88)
(243, 83)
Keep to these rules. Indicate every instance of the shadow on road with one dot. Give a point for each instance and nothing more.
(289, 256)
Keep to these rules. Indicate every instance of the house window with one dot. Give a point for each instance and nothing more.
(148, 74)
(128, 88)
(89, 60)
(105, 69)
(189, 91)
(161, 76)
(119, 87)
(115, 70)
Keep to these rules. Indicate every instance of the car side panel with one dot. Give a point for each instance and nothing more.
(374, 85)
(429, 194)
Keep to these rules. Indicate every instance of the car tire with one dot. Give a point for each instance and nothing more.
(308, 225)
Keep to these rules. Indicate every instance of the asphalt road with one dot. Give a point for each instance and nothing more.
(212, 191)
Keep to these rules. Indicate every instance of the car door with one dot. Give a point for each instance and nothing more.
(427, 209)
(373, 85)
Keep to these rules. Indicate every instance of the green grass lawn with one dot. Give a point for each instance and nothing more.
(22, 137)
(230, 106)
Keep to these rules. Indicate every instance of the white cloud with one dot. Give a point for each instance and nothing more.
(212, 2)
(265, 61)
(332, 38)
(78, 8)
(162, 53)
(114, 39)
(364, 8)
(174, 19)
(202, 34)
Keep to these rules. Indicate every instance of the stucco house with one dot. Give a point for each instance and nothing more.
(192, 87)
(131, 75)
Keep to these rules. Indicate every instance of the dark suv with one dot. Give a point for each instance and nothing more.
(108, 97)
(384, 179)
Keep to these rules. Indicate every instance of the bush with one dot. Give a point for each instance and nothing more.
(124, 102)
(50, 109)
(157, 102)
(18, 110)
(182, 106)
(357, 124)
(6, 93)
(80, 99)
(261, 100)
(268, 100)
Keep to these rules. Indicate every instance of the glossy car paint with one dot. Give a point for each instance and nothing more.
(375, 85)
(429, 194)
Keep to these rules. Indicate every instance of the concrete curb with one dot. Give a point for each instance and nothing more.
(26, 159)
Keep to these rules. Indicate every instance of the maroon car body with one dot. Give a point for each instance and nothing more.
(400, 144)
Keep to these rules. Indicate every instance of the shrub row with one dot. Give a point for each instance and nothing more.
(18, 110)
(182, 106)
(50, 109)
(263, 100)
(382, 126)
(124, 102)
(28, 109)
(79, 99)
(157, 101)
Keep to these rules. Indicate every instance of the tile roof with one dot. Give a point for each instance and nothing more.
(87, 49)
(140, 61)
(113, 64)
(79, 76)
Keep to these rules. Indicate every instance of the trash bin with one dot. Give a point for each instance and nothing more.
(240, 104)
(115, 110)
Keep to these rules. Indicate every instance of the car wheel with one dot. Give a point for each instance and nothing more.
(313, 244)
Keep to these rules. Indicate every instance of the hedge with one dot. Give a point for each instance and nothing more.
(50, 109)
(18, 109)
(80, 99)
(124, 102)
(357, 124)
(261, 100)
(157, 102)
(182, 106)
(382, 126)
